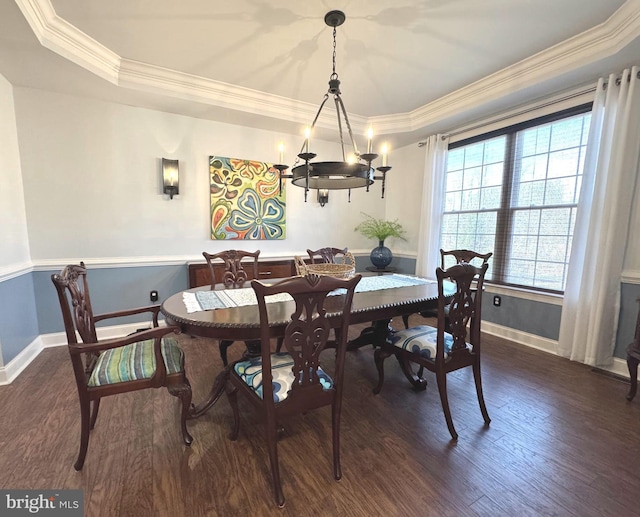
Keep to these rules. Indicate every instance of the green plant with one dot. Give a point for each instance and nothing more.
(374, 228)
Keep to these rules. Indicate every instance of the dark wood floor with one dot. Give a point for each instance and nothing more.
(563, 441)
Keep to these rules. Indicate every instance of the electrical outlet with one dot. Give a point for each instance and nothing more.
(153, 296)
(497, 301)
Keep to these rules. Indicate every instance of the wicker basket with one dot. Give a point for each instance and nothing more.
(325, 269)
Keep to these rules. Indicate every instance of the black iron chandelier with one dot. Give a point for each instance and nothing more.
(355, 170)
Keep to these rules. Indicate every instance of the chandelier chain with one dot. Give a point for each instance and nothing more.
(334, 75)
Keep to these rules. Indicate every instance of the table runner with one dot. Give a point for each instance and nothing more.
(224, 298)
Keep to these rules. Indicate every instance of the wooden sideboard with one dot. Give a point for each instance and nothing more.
(199, 272)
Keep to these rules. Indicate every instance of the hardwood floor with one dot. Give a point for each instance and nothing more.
(563, 441)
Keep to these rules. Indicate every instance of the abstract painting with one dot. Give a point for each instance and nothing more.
(245, 200)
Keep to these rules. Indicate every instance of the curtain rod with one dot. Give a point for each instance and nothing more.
(619, 79)
(528, 110)
(516, 114)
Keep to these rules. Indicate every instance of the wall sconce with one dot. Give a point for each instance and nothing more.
(170, 177)
(323, 196)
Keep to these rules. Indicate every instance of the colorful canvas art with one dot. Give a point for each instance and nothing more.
(245, 200)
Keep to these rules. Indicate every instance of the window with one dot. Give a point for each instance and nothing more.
(514, 192)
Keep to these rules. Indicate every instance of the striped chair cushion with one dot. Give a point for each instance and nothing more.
(135, 361)
(250, 371)
(421, 340)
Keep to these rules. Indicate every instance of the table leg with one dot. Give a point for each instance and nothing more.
(632, 364)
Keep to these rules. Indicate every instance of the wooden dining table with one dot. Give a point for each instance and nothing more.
(242, 323)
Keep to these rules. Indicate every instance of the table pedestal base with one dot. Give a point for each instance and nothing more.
(374, 335)
(217, 389)
(220, 381)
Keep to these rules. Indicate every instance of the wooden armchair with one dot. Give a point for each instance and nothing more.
(146, 359)
(470, 257)
(294, 380)
(436, 349)
(233, 276)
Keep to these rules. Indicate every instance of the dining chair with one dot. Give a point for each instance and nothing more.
(145, 359)
(323, 256)
(438, 350)
(328, 255)
(471, 257)
(233, 276)
(294, 381)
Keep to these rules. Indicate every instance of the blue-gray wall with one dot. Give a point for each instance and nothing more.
(18, 315)
(629, 294)
(539, 318)
(111, 289)
(402, 264)
(29, 306)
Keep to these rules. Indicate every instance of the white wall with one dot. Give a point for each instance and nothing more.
(14, 250)
(404, 195)
(91, 173)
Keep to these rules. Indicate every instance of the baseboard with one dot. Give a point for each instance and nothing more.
(619, 366)
(13, 368)
(10, 371)
(521, 337)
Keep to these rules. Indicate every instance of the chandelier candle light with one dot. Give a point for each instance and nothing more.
(355, 170)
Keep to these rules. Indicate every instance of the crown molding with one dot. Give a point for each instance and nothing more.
(590, 46)
(66, 40)
(594, 44)
(155, 79)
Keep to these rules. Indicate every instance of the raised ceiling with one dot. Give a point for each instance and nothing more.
(410, 68)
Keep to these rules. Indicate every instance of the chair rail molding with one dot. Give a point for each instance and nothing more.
(630, 276)
(15, 270)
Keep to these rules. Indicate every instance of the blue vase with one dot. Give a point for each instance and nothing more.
(381, 256)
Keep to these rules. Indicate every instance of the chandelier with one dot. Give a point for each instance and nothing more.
(355, 169)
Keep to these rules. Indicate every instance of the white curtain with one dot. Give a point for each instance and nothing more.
(432, 206)
(592, 293)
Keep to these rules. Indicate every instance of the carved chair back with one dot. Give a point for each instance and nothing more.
(77, 314)
(328, 255)
(234, 273)
(462, 310)
(463, 255)
(459, 256)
